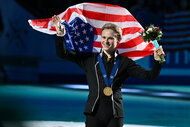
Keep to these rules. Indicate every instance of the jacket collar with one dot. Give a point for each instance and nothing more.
(115, 54)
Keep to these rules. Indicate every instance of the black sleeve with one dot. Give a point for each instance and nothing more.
(135, 70)
(72, 56)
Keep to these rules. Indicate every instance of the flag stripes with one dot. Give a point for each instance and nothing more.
(97, 15)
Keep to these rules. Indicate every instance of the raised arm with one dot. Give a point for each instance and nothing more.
(135, 70)
(61, 50)
(60, 28)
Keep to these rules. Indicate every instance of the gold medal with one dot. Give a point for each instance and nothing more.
(108, 91)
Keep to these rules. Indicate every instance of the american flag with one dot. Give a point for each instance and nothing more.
(96, 14)
(79, 35)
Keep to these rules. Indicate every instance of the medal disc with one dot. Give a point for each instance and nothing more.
(107, 91)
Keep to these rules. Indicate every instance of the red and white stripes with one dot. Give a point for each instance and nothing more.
(97, 15)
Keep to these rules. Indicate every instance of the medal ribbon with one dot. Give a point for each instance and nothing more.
(102, 68)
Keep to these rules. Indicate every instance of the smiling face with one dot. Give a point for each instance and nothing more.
(109, 40)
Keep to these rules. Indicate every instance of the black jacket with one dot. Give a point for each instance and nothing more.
(88, 62)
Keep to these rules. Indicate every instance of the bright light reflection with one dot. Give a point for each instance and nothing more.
(125, 90)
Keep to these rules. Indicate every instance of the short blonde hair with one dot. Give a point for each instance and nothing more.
(115, 28)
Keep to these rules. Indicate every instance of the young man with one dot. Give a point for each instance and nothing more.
(106, 73)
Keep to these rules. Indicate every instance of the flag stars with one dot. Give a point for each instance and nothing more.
(81, 41)
(87, 39)
(81, 37)
(76, 42)
(82, 25)
(80, 49)
(84, 31)
(76, 27)
(85, 47)
(91, 29)
(78, 34)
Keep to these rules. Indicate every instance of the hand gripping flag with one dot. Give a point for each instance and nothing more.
(91, 17)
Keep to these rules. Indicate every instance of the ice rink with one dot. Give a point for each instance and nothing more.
(56, 124)
(44, 106)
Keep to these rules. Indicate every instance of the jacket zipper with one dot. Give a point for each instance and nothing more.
(112, 102)
(98, 87)
(112, 96)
